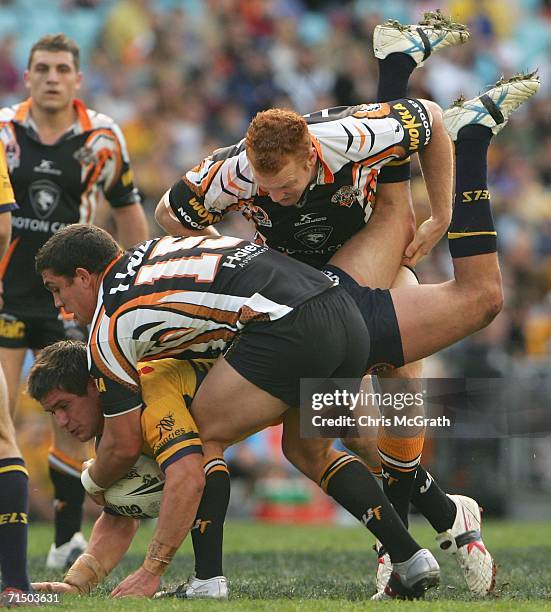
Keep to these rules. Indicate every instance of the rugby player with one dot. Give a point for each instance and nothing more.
(14, 488)
(63, 159)
(179, 296)
(59, 379)
(189, 297)
(308, 184)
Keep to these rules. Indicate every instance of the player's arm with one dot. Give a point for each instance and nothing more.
(182, 492)
(172, 226)
(201, 198)
(131, 224)
(118, 450)
(130, 220)
(437, 165)
(110, 539)
(7, 204)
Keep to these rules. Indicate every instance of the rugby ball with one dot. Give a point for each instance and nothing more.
(139, 493)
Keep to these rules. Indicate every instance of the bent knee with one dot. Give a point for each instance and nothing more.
(434, 110)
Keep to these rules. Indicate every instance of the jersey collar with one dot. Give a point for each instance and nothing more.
(24, 118)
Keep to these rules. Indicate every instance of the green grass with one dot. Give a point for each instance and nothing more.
(326, 568)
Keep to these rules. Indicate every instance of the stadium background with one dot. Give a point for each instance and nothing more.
(183, 77)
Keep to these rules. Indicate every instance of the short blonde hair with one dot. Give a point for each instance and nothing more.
(273, 136)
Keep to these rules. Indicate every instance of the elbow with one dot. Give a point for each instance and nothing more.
(120, 524)
(160, 213)
(128, 452)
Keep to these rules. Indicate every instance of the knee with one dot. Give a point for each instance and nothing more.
(491, 302)
(435, 112)
(365, 448)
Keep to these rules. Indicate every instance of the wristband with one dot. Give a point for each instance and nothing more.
(158, 558)
(89, 485)
(85, 574)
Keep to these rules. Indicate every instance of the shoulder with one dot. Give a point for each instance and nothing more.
(7, 113)
(100, 120)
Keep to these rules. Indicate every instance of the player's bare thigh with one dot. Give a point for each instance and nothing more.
(310, 455)
(227, 406)
(373, 256)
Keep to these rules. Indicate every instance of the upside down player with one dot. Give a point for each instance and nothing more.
(308, 185)
(62, 159)
(178, 296)
(14, 489)
(59, 379)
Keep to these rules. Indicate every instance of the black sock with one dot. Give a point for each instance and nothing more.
(432, 502)
(208, 531)
(68, 500)
(394, 73)
(472, 230)
(398, 487)
(14, 503)
(348, 481)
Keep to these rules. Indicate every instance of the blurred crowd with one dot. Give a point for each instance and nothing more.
(183, 77)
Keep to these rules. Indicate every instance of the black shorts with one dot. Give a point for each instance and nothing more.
(36, 333)
(380, 317)
(325, 337)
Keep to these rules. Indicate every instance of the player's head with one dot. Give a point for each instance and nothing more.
(71, 264)
(281, 154)
(60, 381)
(52, 76)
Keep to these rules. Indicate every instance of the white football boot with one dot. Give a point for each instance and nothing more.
(464, 541)
(493, 108)
(194, 588)
(433, 33)
(65, 555)
(410, 579)
(384, 567)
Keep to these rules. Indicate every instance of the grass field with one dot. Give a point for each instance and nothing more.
(326, 568)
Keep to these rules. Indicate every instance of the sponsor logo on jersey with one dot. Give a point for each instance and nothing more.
(314, 237)
(13, 155)
(412, 126)
(166, 424)
(46, 166)
(241, 257)
(85, 155)
(44, 196)
(256, 214)
(307, 218)
(206, 217)
(11, 327)
(334, 278)
(346, 196)
(36, 225)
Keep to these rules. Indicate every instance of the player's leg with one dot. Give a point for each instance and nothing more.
(11, 359)
(400, 49)
(431, 317)
(345, 478)
(13, 504)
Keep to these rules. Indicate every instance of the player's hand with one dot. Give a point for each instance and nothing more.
(141, 583)
(54, 587)
(427, 235)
